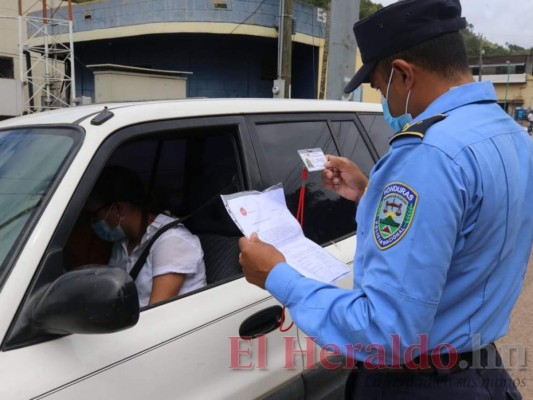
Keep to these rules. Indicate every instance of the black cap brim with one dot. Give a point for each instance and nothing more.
(361, 76)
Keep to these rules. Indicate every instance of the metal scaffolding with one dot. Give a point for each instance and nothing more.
(45, 42)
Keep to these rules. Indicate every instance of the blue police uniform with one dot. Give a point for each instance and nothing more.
(445, 230)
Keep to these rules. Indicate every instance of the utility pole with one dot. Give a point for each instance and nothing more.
(480, 56)
(506, 86)
(324, 70)
(282, 85)
(286, 70)
(342, 47)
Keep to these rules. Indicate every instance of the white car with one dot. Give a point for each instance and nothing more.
(73, 330)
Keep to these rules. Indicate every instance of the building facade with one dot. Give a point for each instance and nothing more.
(512, 77)
(225, 48)
(10, 86)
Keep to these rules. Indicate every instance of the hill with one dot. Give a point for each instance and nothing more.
(473, 41)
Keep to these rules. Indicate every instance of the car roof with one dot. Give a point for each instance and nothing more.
(165, 109)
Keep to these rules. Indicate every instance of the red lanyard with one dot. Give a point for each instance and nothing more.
(300, 218)
(301, 199)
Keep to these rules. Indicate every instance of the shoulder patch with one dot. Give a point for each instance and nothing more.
(394, 215)
(418, 129)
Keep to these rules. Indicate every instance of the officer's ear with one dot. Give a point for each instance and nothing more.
(405, 71)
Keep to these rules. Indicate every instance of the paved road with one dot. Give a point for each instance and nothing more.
(521, 333)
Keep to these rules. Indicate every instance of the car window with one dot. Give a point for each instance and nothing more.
(378, 130)
(30, 159)
(352, 145)
(183, 175)
(327, 216)
(186, 168)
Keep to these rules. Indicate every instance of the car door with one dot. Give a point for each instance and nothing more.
(188, 347)
(328, 219)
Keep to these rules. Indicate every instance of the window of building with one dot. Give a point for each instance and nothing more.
(7, 69)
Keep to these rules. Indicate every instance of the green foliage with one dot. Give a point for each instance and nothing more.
(472, 40)
(366, 7)
(318, 3)
(473, 44)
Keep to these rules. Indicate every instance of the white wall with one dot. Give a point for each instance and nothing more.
(10, 98)
(126, 86)
(9, 47)
(9, 31)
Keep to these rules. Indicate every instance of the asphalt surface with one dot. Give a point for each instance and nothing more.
(521, 334)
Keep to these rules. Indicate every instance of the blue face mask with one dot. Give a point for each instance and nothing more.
(104, 232)
(396, 123)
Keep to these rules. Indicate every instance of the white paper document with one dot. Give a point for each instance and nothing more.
(266, 214)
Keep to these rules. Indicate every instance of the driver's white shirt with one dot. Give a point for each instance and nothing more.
(176, 251)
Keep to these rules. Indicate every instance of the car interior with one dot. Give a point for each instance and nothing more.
(186, 172)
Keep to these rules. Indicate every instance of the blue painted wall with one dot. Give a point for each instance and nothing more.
(222, 66)
(229, 65)
(117, 13)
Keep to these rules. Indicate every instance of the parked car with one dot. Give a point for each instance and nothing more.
(71, 327)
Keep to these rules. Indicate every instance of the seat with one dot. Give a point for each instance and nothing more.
(219, 238)
(218, 234)
(221, 256)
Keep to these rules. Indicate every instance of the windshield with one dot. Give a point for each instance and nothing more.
(30, 159)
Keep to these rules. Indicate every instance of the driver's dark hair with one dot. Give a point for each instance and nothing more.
(444, 55)
(117, 183)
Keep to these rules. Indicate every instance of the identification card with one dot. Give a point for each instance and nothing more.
(313, 159)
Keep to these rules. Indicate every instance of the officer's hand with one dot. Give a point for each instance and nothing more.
(344, 178)
(257, 259)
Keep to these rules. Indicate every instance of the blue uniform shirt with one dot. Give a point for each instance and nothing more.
(445, 231)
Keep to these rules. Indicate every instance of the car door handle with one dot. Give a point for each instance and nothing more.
(261, 322)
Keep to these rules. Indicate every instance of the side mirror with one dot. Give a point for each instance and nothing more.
(91, 300)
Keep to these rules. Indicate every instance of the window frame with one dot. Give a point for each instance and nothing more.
(328, 117)
(9, 66)
(12, 257)
(50, 266)
(368, 135)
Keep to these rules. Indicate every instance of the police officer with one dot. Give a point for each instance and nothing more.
(445, 226)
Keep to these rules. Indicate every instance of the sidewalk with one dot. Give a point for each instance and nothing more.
(521, 333)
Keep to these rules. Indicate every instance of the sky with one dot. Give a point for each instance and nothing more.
(499, 21)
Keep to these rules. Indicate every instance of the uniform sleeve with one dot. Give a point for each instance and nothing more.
(401, 284)
(176, 253)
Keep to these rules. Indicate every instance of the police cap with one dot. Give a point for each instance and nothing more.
(400, 26)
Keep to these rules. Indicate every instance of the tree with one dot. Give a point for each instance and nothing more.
(472, 44)
(472, 39)
(367, 8)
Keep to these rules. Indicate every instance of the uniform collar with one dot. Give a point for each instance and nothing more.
(460, 96)
(159, 221)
